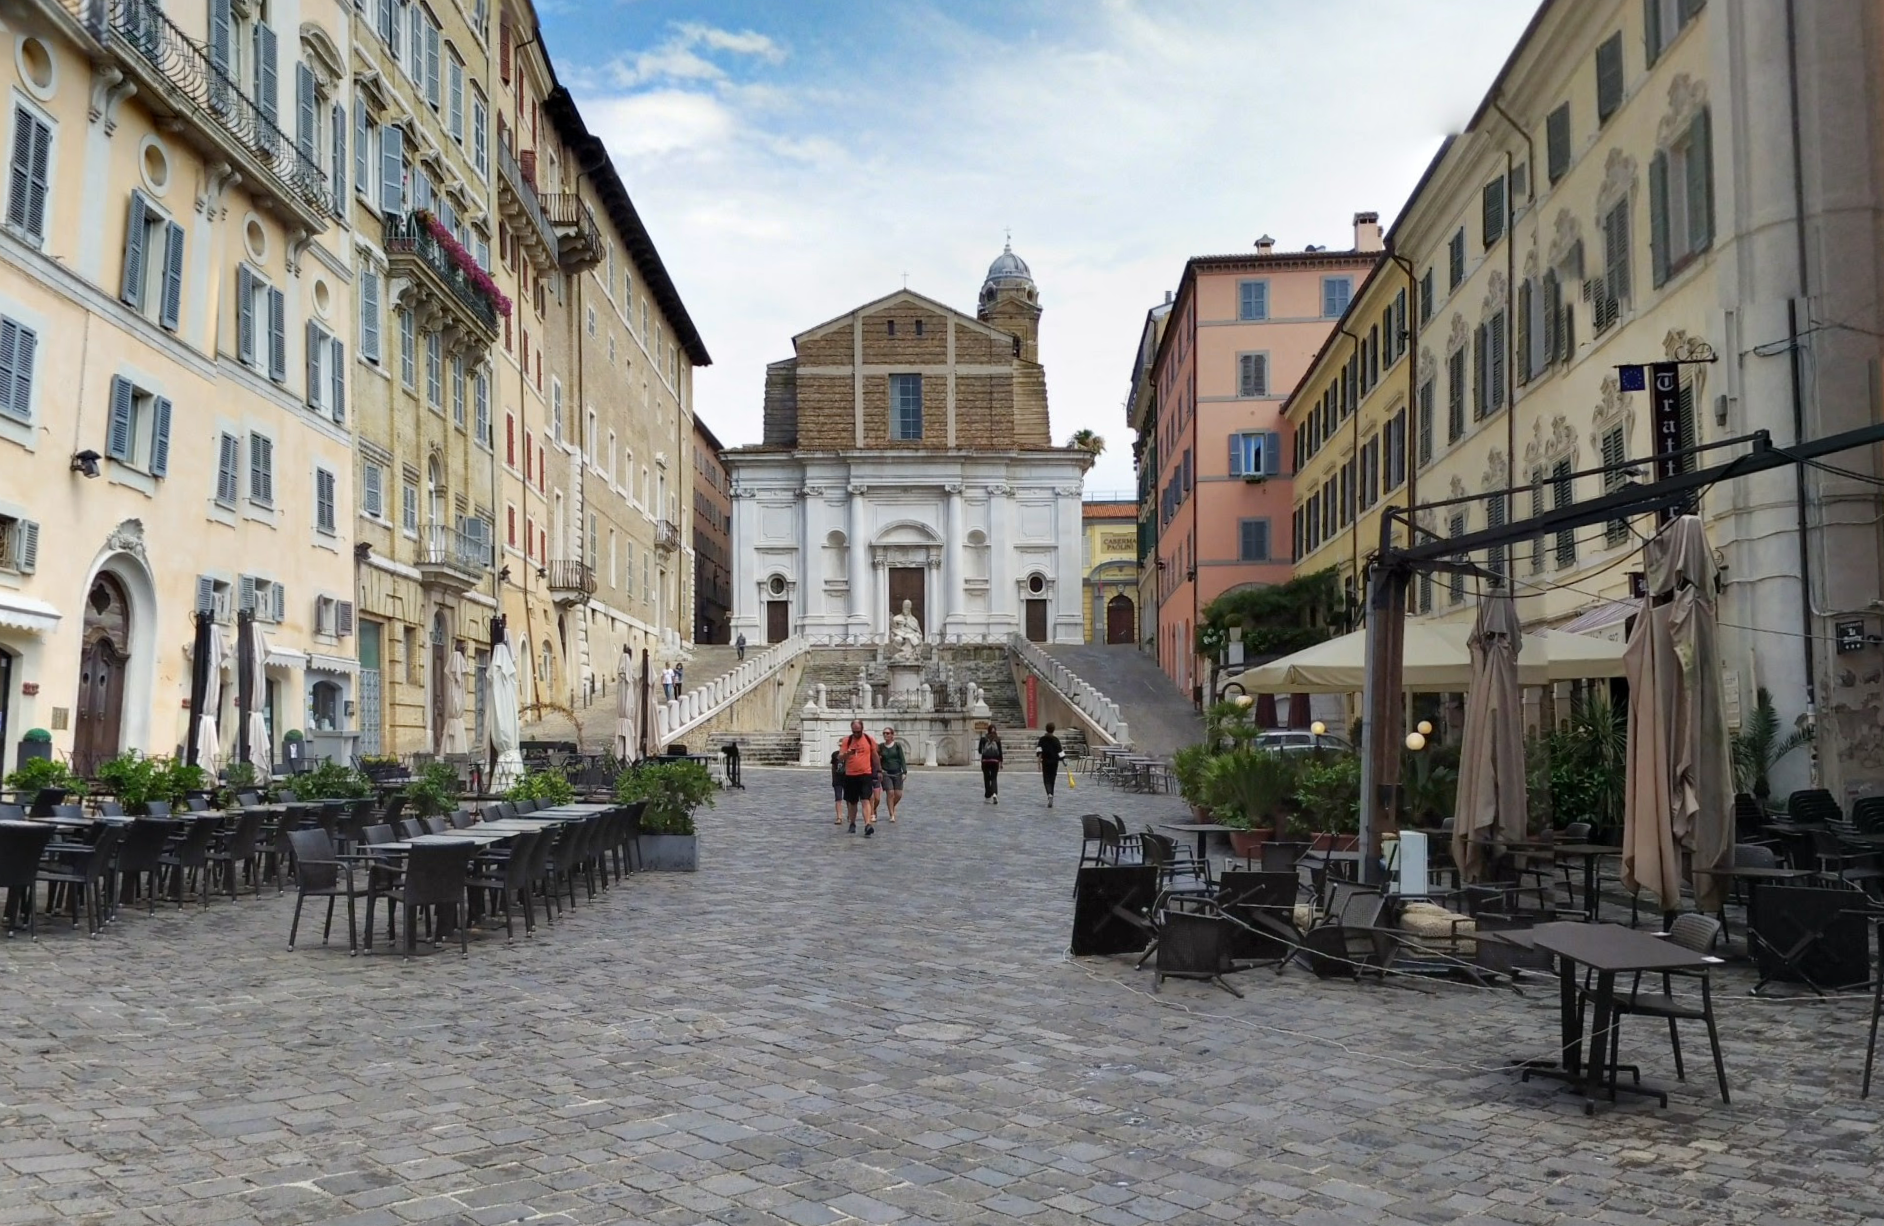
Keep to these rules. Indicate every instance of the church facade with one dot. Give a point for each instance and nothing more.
(908, 456)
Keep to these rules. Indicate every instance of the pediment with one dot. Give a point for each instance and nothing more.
(902, 297)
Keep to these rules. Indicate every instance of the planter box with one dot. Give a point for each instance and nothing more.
(670, 853)
(1336, 842)
(1249, 843)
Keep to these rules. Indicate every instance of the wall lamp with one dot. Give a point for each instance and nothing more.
(86, 462)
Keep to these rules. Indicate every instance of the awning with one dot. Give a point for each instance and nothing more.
(285, 657)
(19, 612)
(331, 664)
(1437, 660)
(1596, 617)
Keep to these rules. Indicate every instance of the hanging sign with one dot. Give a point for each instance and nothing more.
(1665, 407)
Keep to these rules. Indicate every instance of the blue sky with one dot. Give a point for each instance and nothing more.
(794, 159)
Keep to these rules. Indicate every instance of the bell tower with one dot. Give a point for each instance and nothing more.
(1011, 302)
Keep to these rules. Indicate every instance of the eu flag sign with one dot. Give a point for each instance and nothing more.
(1634, 378)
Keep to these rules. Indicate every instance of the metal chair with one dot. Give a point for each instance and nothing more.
(86, 869)
(21, 848)
(436, 875)
(1698, 933)
(140, 854)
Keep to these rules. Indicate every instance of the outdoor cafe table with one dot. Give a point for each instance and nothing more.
(1607, 950)
(1592, 855)
(1201, 829)
(1754, 877)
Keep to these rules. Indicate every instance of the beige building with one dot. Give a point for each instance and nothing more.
(1110, 567)
(1627, 195)
(174, 406)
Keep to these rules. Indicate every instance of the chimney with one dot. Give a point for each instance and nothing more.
(1367, 232)
(1265, 245)
(1168, 296)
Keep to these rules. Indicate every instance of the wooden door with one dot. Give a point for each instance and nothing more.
(778, 620)
(1036, 621)
(907, 583)
(100, 706)
(1119, 620)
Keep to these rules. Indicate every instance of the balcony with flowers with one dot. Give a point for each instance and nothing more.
(440, 282)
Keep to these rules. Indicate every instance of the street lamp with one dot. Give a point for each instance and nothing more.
(1415, 741)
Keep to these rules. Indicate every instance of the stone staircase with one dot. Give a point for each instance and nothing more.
(759, 748)
(708, 663)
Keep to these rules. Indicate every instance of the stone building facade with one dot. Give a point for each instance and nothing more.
(907, 456)
(712, 539)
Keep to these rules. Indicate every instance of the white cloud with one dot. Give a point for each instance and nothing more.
(677, 60)
(1114, 147)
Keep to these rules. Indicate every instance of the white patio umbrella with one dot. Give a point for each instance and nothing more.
(455, 741)
(208, 741)
(625, 706)
(506, 737)
(261, 753)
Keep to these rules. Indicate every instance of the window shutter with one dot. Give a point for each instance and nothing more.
(1495, 390)
(1686, 435)
(1236, 455)
(135, 225)
(221, 26)
(481, 387)
(369, 315)
(1652, 29)
(26, 546)
(171, 309)
(205, 595)
(1616, 254)
(362, 145)
(280, 604)
(118, 440)
(18, 344)
(160, 436)
(227, 469)
(1700, 182)
(277, 336)
(1493, 202)
(340, 160)
(392, 162)
(338, 407)
(1658, 213)
(1557, 141)
(245, 585)
(432, 93)
(323, 499)
(1478, 372)
(343, 618)
(316, 349)
(1523, 372)
(20, 180)
(266, 91)
(503, 51)
(1608, 77)
(245, 314)
(1260, 364)
(306, 125)
(1272, 453)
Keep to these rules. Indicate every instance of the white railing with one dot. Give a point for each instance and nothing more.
(680, 716)
(1099, 711)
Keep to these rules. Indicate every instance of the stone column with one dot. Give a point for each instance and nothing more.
(1004, 611)
(952, 576)
(747, 615)
(1068, 619)
(858, 568)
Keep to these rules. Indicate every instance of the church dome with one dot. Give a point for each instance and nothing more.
(1007, 269)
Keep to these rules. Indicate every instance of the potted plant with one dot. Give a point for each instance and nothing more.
(1189, 766)
(1328, 793)
(547, 784)
(37, 774)
(435, 791)
(380, 766)
(37, 743)
(136, 780)
(1250, 789)
(183, 780)
(1758, 747)
(329, 781)
(672, 791)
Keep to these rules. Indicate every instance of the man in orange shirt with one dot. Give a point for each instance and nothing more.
(859, 755)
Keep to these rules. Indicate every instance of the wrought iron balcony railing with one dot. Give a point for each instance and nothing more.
(666, 536)
(455, 549)
(576, 229)
(188, 72)
(565, 575)
(409, 236)
(526, 214)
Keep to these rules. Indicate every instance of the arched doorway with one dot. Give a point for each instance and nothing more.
(1120, 622)
(103, 658)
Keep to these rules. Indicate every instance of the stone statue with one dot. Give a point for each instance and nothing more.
(905, 637)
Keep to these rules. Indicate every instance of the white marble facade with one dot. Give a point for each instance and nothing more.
(821, 533)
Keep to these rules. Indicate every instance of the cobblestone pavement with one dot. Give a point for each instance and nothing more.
(817, 1028)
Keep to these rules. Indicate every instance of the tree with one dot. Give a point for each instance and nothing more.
(1087, 441)
(1758, 746)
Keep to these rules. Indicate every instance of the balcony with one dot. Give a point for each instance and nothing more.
(576, 229)
(453, 559)
(569, 582)
(522, 211)
(173, 75)
(439, 289)
(666, 535)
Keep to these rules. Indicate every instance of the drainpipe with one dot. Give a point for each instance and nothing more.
(1798, 374)
(1412, 380)
(1354, 528)
(1511, 276)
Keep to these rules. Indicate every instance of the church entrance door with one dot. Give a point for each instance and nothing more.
(102, 665)
(1036, 621)
(778, 620)
(906, 583)
(1119, 619)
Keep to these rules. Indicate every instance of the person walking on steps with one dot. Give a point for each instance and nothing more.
(1048, 751)
(740, 643)
(861, 765)
(895, 767)
(991, 755)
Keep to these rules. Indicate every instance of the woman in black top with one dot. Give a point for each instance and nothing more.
(991, 755)
(1048, 751)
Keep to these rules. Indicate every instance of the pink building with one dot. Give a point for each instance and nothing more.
(1243, 330)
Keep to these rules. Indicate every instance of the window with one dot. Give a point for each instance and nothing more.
(152, 283)
(1562, 496)
(1252, 374)
(1455, 395)
(1335, 292)
(408, 349)
(480, 141)
(1681, 199)
(326, 373)
(906, 407)
(590, 440)
(332, 617)
(1609, 293)
(1557, 142)
(215, 597)
(1495, 556)
(423, 24)
(1455, 261)
(392, 170)
(454, 96)
(261, 306)
(261, 470)
(1608, 77)
(264, 598)
(30, 182)
(18, 346)
(228, 469)
(1396, 450)
(369, 315)
(307, 115)
(409, 508)
(1493, 210)
(591, 321)
(1426, 297)
(556, 409)
(1252, 300)
(1253, 540)
(1488, 375)
(138, 434)
(373, 492)
(1663, 21)
(324, 502)
(457, 392)
(1538, 488)
(1455, 582)
(1397, 336)
(592, 539)
(1426, 424)
(1256, 453)
(435, 370)
(481, 408)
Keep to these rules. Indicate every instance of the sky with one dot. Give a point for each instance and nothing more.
(797, 158)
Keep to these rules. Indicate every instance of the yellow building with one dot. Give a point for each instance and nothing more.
(1617, 201)
(174, 407)
(1110, 571)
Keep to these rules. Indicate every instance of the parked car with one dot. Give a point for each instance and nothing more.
(1297, 740)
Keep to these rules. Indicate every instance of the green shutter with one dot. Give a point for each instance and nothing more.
(1658, 215)
(1700, 182)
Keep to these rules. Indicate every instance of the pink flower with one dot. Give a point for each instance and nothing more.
(466, 262)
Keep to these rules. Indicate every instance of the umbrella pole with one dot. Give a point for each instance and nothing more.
(245, 688)
(199, 681)
(1381, 718)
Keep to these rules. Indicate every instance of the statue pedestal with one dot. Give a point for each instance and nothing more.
(905, 684)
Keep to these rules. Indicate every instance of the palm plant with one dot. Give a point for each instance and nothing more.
(1758, 747)
(1248, 787)
(1087, 441)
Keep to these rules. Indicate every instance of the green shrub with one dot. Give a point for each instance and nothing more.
(182, 777)
(1250, 788)
(1190, 764)
(547, 784)
(1329, 793)
(435, 791)
(135, 779)
(37, 773)
(673, 791)
(329, 781)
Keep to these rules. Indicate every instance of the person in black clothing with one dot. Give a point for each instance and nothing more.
(991, 755)
(1048, 751)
